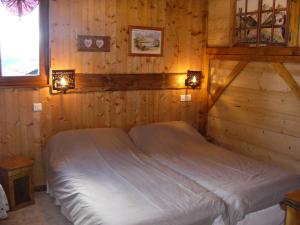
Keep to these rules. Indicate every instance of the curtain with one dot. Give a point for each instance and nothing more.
(20, 7)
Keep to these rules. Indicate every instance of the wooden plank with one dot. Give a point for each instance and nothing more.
(281, 102)
(294, 23)
(256, 152)
(256, 117)
(258, 58)
(258, 51)
(288, 78)
(258, 54)
(117, 82)
(219, 23)
(284, 144)
(229, 79)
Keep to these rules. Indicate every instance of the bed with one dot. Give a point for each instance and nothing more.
(98, 176)
(250, 189)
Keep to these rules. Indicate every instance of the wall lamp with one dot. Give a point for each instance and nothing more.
(63, 80)
(193, 79)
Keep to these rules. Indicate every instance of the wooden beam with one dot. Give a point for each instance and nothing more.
(263, 51)
(258, 54)
(288, 78)
(229, 79)
(122, 82)
(257, 58)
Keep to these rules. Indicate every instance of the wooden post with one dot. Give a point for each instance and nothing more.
(230, 78)
(288, 78)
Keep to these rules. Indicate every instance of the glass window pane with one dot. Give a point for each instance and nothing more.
(279, 35)
(240, 6)
(238, 22)
(240, 35)
(265, 35)
(280, 18)
(280, 4)
(267, 19)
(251, 36)
(252, 6)
(267, 5)
(243, 21)
(251, 20)
(19, 41)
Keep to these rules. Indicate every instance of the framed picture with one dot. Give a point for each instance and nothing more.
(146, 41)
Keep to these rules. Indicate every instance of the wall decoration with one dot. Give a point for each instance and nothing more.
(263, 22)
(93, 43)
(146, 41)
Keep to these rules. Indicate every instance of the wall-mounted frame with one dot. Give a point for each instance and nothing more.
(261, 22)
(88, 43)
(146, 41)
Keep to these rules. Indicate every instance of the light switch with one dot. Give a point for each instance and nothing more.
(185, 98)
(37, 107)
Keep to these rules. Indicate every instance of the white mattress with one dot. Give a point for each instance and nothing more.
(244, 184)
(99, 177)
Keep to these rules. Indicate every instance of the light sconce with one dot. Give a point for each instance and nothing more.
(193, 79)
(63, 80)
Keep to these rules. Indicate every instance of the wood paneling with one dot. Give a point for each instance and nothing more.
(24, 132)
(220, 23)
(258, 115)
(181, 20)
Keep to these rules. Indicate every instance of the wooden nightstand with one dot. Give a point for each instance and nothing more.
(16, 177)
(291, 203)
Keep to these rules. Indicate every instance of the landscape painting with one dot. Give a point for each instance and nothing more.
(145, 41)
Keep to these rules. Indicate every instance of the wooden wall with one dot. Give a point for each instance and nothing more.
(258, 115)
(24, 132)
(182, 21)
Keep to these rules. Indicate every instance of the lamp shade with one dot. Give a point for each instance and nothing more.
(193, 79)
(63, 80)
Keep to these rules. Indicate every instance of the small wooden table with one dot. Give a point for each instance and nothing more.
(16, 177)
(292, 205)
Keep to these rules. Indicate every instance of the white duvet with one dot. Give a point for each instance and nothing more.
(99, 177)
(244, 184)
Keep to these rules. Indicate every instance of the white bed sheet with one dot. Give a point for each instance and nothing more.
(3, 204)
(244, 184)
(273, 215)
(99, 177)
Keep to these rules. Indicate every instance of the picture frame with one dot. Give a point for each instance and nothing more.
(146, 41)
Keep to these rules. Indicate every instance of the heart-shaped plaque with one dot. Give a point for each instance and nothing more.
(88, 43)
(99, 43)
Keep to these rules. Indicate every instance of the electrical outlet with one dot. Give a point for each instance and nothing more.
(185, 98)
(37, 107)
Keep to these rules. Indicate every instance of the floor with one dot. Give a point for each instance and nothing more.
(43, 212)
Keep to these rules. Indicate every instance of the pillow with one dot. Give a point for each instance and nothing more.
(165, 136)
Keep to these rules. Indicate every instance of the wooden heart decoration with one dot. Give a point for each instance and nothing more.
(99, 43)
(88, 43)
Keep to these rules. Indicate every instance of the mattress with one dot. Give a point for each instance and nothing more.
(244, 184)
(99, 177)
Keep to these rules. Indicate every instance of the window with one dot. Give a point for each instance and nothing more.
(23, 44)
(261, 22)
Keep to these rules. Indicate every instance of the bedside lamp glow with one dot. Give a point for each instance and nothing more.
(63, 80)
(193, 79)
